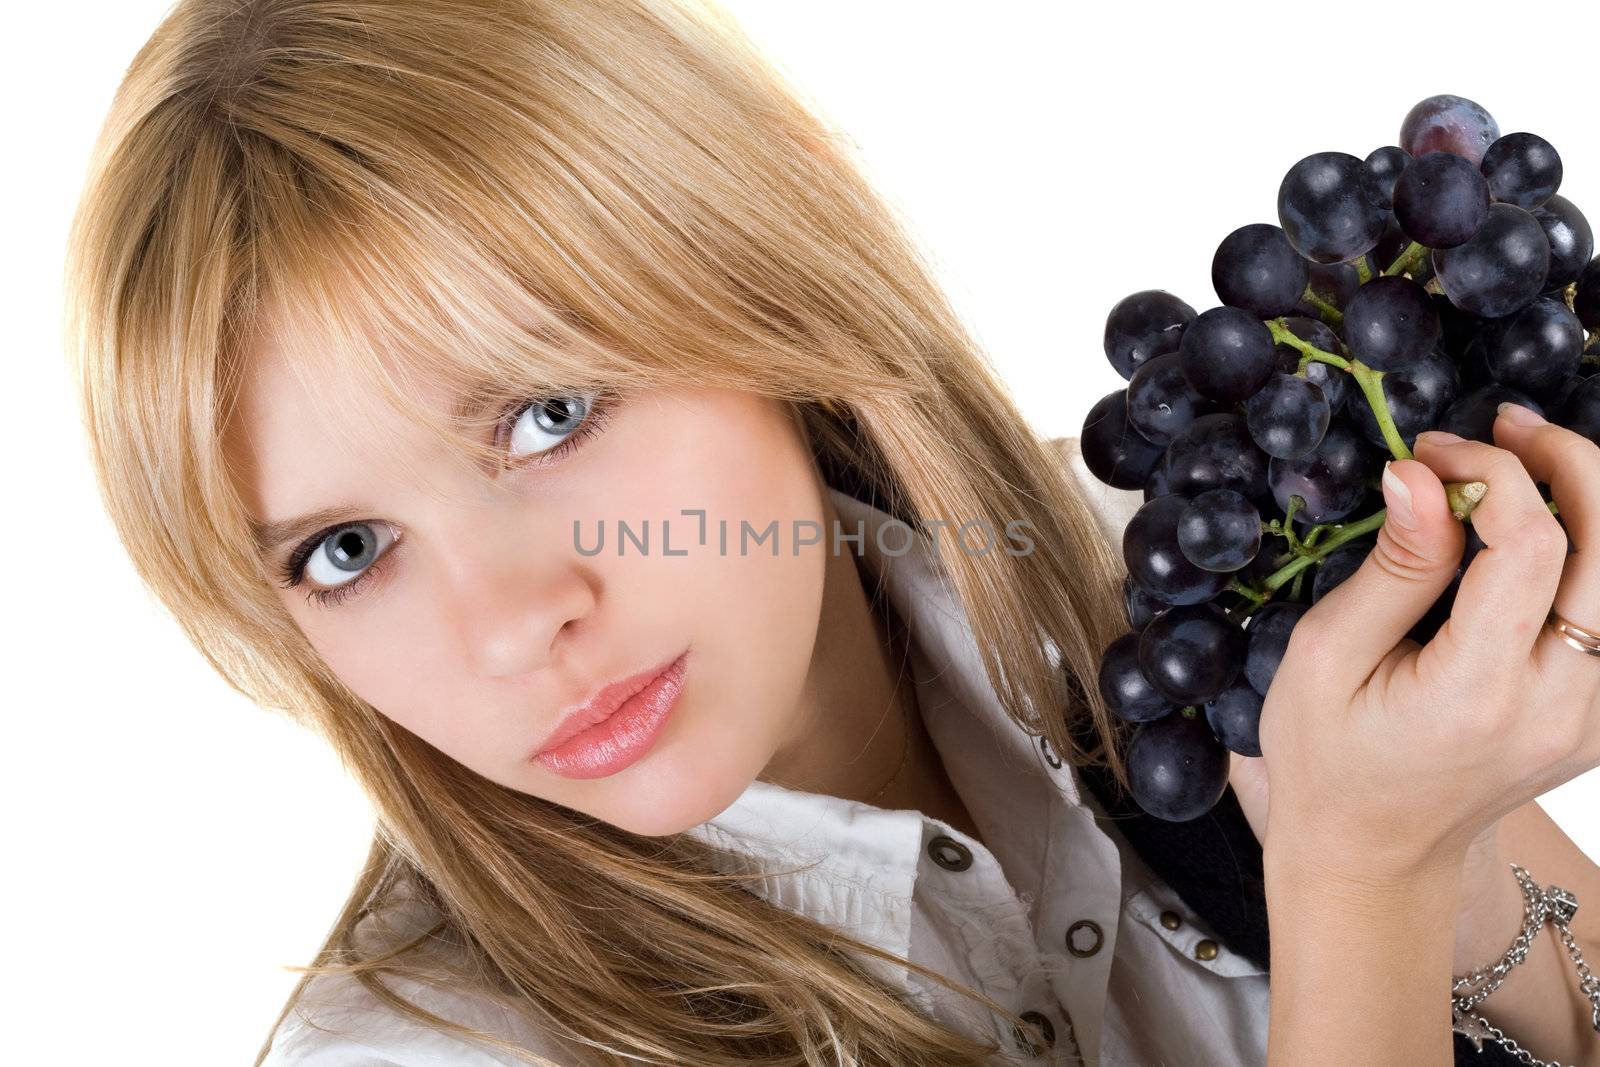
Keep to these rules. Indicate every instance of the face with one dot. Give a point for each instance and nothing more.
(473, 616)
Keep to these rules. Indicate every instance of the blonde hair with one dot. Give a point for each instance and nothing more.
(511, 198)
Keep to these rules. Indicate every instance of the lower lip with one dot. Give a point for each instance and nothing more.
(622, 739)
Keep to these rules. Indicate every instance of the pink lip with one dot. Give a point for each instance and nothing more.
(615, 727)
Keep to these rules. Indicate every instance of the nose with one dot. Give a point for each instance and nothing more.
(513, 589)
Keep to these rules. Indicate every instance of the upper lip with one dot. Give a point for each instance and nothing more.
(579, 717)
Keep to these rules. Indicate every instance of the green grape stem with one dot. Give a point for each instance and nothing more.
(1363, 271)
(1326, 308)
(1370, 381)
(1408, 261)
(1340, 536)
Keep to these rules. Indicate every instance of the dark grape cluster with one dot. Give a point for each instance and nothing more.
(1414, 289)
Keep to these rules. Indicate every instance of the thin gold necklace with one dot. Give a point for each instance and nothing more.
(905, 752)
(898, 634)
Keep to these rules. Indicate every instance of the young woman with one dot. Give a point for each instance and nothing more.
(457, 371)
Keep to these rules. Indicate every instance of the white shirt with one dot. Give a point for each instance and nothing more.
(997, 919)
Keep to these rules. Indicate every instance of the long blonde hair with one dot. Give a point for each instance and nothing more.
(513, 198)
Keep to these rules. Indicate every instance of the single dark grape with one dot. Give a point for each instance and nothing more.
(1539, 350)
(1447, 123)
(1114, 451)
(1338, 565)
(1142, 325)
(1501, 269)
(1581, 412)
(1177, 769)
(1267, 638)
(1256, 268)
(1382, 170)
(1417, 396)
(1523, 169)
(1191, 652)
(1161, 401)
(1127, 692)
(1441, 199)
(1220, 530)
(1139, 606)
(1235, 717)
(1587, 302)
(1227, 354)
(1215, 451)
(1472, 415)
(1288, 417)
(1391, 323)
(1153, 557)
(1324, 212)
(1330, 479)
(1571, 241)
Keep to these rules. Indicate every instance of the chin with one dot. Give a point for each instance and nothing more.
(687, 779)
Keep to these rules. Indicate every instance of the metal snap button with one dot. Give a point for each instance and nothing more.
(1045, 1028)
(1170, 920)
(1094, 946)
(1049, 755)
(949, 853)
(1206, 949)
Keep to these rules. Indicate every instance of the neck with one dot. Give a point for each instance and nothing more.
(858, 732)
(857, 707)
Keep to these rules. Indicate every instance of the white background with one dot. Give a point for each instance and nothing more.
(171, 846)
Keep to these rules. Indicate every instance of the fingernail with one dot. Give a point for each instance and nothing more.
(1521, 416)
(1399, 498)
(1439, 437)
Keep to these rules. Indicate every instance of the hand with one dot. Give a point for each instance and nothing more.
(1387, 758)
(1489, 910)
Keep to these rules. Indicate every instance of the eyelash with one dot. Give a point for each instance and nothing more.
(293, 569)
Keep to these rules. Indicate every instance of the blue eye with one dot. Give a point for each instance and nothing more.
(344, 558)
(341, 558)
(541, 425)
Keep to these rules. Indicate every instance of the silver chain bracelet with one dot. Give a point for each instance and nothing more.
(1552, 904)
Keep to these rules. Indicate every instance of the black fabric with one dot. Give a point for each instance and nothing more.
(1214, 863)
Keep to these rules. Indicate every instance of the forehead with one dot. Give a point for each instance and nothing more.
(308, 430)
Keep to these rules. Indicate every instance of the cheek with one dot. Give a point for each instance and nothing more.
(755, 608)
(390, 660)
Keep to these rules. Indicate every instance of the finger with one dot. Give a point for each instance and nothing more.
(1506, 592)
(1418, 548)
(1569, 464)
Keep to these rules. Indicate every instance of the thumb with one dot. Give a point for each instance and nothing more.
(1418, 549)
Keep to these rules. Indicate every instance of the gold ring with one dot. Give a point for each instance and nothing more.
(1575, 635)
